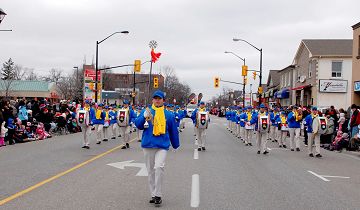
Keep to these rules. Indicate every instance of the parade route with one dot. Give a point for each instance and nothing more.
(228, 175)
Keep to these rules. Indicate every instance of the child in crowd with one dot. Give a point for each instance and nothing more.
(2, 134)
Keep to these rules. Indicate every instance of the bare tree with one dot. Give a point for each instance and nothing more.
(19, 73)
(30, 74)
(54, 75)
(6, 87)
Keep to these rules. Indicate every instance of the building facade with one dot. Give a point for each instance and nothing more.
(355, 83)
(284, 95)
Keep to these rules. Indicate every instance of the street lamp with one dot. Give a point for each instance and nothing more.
(97, 55)
(260, 50)
(2, 15)
(243, 59)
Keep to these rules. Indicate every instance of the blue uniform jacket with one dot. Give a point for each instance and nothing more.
(163, 141)
(112, 116)
(308, 123)
(277, 120)
(292, 122)
(100, 121)
(243, 117)
(92, 115)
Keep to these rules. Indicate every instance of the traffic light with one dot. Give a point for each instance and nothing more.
(260, 90)
(244, 70)
(254, 75)
(245, 80)
(217, 82)
(137, 66)
(156, 82)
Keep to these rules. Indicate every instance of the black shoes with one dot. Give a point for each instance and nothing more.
(113, 137)
(292, 150)
(318, 156)
(83, 147)
(105, 140)
(284, 146)
(258, 152)
(158, 200)
(203, 148)
(152, 200)
(266, 152)
(99, 142)
(298, 149)
(311, 155)
(127, 145)
(280, 146)
(123, 147)
(249, 144)
(199, 149)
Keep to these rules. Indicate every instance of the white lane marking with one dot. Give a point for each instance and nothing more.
(328, 176)
(195, 191)
(196, 154)
(319, 176)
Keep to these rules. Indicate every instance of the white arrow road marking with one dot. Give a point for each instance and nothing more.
(327, 180)
(129, 163)
(196, 154)
(195, 191)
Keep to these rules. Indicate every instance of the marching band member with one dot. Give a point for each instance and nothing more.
(314, 131)
(273, 127)
(249, 127)
(282, 128)
(233, 120)
(183, 116)
(177, 117)
(201, 117)
(106, 124)
(237, 121)
(99, 122)
(227, 115)
(294, 119)
(83, 120)
(124, 118)
(138, 131)
(113, 121)
(242, 124)
(262, 127)
(156, 139)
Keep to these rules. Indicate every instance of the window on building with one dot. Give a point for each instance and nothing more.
(310, 69)
(336, 69)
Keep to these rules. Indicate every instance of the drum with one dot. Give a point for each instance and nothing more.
(202, 120)
(81, 117)
(263, 124)
(123, 118)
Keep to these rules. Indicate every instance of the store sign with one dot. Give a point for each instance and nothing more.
(357, 86)
(89, 83)
(333, 86)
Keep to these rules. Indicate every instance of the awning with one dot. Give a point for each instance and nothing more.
(284, 93)
(301, 87)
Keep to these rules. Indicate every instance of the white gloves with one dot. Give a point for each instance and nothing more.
(147, 113)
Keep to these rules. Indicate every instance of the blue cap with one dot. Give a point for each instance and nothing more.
(262, 106)
(106, 107)
(101, 105)
(177, 106)
(202, 103)
(159, 93)
(314, 108)
(126, 102)
(87, 102)
(249, 107)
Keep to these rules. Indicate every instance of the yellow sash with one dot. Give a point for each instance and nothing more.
(98, 114)
(249, 116)
(159, 126)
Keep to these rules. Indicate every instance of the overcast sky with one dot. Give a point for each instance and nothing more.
(192, 35)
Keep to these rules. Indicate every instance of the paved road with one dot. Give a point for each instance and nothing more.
(231, 176)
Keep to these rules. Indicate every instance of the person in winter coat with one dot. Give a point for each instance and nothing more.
(159, 132)
(23, 113)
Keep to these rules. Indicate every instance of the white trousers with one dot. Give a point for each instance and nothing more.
(261, 141)
(248, 135)
(242, 132)
(124, 131)
(282, 138)
(155, 164)
(99, 131)
(106, 132)
(311, 138)
(182, 124)
(201, 136)
(272, 134)
(113, 129)
(294, 137)
(86, 131)
(138, 134)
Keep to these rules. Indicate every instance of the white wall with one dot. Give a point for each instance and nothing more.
(339, 100)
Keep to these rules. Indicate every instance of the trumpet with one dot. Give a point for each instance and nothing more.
(148, 118)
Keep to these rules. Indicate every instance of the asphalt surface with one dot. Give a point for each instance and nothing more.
(231, 176)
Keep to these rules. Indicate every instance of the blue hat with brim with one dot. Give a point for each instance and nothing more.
(126, 102)
(159, 94)
(202, 103)
(314, 108)
(262, 106)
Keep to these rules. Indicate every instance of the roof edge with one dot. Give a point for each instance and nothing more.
(356, 26)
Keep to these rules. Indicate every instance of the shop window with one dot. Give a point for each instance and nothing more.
(336, 69)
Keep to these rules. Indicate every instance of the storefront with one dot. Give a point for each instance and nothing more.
(303, 95)
(284, 96)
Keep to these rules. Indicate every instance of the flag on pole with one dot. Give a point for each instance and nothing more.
(154, 56)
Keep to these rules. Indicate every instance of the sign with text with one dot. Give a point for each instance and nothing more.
(333, 86)
(89, 83)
